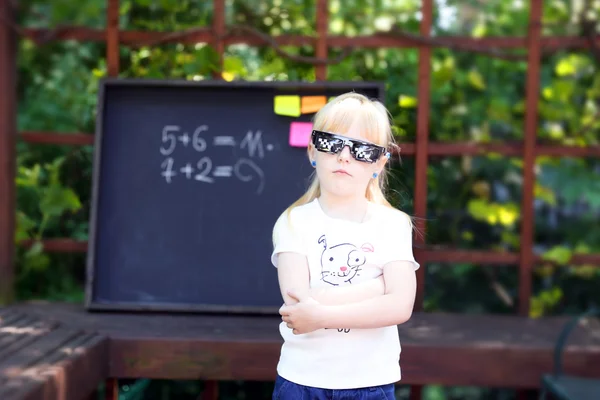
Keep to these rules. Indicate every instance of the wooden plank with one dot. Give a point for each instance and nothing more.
(205, 35)
(527, 197)
(440, 254)
(321, 46)
(423, 329)
(484, 362)
(8, 131)
(567, 151)
(20, 332)
(112, 389)
(112, 38)
(60, 245)
(42, 359)
(488, 358)
(22, 380)
(211, 391)
(70, 372)
(35, 349)
(72, 139)
(189, 358)
(8, 316)
(218, 30)
(94, 395)
(500, 258)
(495, 350)
(422, 161)
(422, 151)
(435, 149)
(499, 367)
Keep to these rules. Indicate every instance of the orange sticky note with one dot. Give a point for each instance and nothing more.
(300, 133)
(312, 104)
(287, 105)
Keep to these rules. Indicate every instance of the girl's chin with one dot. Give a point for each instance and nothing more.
(340, 190)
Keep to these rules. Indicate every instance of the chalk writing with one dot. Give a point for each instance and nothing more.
(168, 135)
(168, 173)
(224, 141)
(204, 166)
(199, 143)
(184, 165)
(253, 142)
(246, 178)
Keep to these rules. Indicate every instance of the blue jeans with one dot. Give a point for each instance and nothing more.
(286, 390)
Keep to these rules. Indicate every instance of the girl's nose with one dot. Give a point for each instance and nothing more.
(343, 269)
(344, 155)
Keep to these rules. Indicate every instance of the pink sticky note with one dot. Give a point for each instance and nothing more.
(300, 133)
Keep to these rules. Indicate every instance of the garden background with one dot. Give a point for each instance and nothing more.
(473, 201)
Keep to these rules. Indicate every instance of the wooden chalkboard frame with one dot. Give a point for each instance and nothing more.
(105, 83)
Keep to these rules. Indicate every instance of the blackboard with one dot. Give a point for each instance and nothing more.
(189, 178)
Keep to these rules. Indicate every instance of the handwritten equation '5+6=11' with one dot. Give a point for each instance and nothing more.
(203, 170)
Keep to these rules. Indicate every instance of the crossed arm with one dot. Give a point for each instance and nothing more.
(293, 275)
(380, 302)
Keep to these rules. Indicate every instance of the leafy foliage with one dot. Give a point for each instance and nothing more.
(473, 202)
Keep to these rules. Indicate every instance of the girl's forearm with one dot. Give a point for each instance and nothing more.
(393, 308)
(355, 293)
(375, 312)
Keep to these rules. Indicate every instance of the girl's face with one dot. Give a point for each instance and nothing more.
(341, 174)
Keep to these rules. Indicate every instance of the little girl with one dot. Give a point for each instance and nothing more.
(345, 264)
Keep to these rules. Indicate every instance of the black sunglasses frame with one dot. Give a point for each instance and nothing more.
(351, 143)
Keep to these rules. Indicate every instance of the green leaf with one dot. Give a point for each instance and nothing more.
(23, 225)
(564, 89)
(35, 258)
(407, 101)
(57, 200)
(234, 65)
(28, 177)
(478, 208)
(558, 254)
(435, 392)
(53, 169)
(545, 301)
(476, 79)
(565, 67)
(443, 71)
(544, 194)
(36, 248)
(493, 213)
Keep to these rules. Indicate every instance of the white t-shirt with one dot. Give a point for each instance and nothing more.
(341, 252)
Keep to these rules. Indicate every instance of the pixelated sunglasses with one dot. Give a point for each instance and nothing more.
(361, 151)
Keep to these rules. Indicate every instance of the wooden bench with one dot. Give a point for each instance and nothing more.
(42, 358)
(451, 349)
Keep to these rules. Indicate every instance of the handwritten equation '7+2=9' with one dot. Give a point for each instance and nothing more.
(204, 170)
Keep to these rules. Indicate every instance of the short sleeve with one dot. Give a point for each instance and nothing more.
(287, 236)
(399, 240)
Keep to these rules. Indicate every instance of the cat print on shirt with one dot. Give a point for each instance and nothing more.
(340, 263)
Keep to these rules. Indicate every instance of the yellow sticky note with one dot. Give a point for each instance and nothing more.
(312, 104)
(287, 105)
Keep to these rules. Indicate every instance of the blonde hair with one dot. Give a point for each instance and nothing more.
(337, 116)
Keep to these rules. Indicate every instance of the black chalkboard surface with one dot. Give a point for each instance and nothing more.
(189, 178)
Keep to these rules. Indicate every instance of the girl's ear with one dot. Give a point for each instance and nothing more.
(311, 152)
(380, 164)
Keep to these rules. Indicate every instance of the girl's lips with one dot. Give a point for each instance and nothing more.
(342, 172)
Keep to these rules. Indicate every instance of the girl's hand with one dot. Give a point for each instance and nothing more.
(303, 317)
